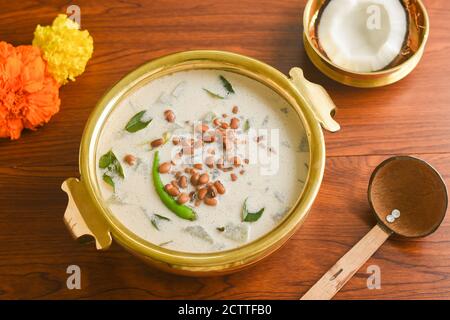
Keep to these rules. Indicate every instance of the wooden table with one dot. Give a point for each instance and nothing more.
(410, 117)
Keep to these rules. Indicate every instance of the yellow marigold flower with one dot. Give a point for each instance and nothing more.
(65, 48)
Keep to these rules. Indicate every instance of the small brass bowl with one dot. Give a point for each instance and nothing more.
(88, 216)
(419, 28)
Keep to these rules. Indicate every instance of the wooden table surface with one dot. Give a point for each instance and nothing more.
(409, 117)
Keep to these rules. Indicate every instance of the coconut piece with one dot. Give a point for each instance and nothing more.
(362, 35)
(199, 232)
(236, 232)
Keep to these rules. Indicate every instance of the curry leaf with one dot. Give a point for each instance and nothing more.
(214, 95)
(250, 216)
(165, 243)
(108, 180)
(106, 160)
(156, 220)
(118, 168)
(166, 136)
(135, 124)
(227, 85)
(246, 125)
(161, 217)
(109, 162)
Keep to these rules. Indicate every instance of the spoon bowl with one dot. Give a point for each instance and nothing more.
(413, 187)
(416, 192)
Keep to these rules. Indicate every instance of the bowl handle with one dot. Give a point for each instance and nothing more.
(80, 214)
(317, 97)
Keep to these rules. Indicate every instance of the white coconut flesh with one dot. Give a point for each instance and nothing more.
(362, 35)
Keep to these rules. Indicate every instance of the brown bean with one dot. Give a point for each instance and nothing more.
(216, 122)
(183, 198)
(234, 123)
(175, 183)
(170, 189)
(224, 115)
(219, 187)
(164, 167)
(242, 172)
(176, 141)
(194, 179)
(202, 193)
(204, 178)
(236, 161)
(235, 109)
(183, 182)
(212, 191)
(130, 159)
(198, 166)
(178, 174)
(157, 142)
(224, 125)
(233, 177)
(169, 115)
(203, 127)
(246, 161)
(210, 201)
(209, 138)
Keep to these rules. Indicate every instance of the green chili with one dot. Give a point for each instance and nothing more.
(180, 210)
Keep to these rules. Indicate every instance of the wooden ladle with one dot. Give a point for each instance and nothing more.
(407, 184)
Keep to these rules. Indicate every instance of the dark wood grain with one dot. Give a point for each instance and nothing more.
(410, 117)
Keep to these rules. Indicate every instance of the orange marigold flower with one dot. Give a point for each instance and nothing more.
(29, 95)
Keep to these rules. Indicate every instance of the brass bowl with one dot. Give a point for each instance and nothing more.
(87, 215)
(419, 28)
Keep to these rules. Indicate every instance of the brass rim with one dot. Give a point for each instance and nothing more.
(206, 59)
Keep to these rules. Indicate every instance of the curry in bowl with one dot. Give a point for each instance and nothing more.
(202, 160)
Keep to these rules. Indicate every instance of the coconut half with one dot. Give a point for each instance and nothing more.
(362, 35)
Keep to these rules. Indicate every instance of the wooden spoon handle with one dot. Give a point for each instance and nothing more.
(346, 267)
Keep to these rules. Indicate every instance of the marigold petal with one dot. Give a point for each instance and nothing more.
(65, 48)
(11, 72)
(11, 128)
(29, 95)
(42, 105)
